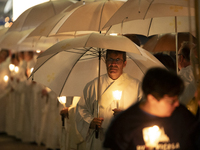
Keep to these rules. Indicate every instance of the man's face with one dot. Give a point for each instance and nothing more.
(166, 105)
(115, 65)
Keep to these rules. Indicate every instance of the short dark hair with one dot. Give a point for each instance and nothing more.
(109, 51)
(159, 82)
(185, 50)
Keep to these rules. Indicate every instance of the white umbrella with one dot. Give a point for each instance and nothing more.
(35, 15)
(67, 66)
(153, 26)
(144, 9)
(3, 31)
(10, 39)
(154, 17)
(89, 16)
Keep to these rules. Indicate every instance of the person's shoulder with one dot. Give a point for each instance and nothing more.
(182, 112)
(131, 79)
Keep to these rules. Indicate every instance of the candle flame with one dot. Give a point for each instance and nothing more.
(11, 67)
(151, 136)
(117, 94)
(62, 100)
(31, 70)
(16, 69)
(5, 78)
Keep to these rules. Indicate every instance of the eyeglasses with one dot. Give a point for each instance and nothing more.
(117, 61)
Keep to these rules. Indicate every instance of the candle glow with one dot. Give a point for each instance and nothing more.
(6, 78)
(151, 136)
(16, 69)
(117, 95)
(62, 100)
(11, 67)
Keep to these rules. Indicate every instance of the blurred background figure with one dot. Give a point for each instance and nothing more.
(29, 58)
(22, 62)
(186, 72)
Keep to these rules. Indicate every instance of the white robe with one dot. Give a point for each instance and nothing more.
(87, 106)
(187, 75)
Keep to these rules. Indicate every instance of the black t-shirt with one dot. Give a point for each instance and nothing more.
(126, 130)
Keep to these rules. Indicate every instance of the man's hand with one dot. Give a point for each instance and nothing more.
(96, 121)
(116, 111)
(64, 112)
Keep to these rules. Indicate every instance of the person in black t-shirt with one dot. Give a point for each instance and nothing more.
(156, 122)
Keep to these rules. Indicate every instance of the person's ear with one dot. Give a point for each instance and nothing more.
(124, 64)
(151, 99)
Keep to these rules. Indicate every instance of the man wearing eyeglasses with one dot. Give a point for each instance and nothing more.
(186, 73)
(92, 121)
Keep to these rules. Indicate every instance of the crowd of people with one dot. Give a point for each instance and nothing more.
(95, 121)
(29, 110)
(101, 124)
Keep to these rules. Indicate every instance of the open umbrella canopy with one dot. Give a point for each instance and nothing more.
(35, 15)
(11, 39)
(166, 42)
(144, 9)
(67, 66)
(153, 26)
(89, 16)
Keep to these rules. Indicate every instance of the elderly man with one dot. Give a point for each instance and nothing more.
(158, 121)
(186, 73)
(89, 118)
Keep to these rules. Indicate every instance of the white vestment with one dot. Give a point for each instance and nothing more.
(87, 106)
(187, 75)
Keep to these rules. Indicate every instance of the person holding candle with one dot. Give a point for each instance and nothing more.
(89, 116)
(158, 121)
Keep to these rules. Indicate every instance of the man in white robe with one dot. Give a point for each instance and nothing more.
(91, 113)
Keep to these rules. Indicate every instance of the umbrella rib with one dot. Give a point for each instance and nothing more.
(101, 16)
(149, 26)
(53, 7)
(148, 9)
(70, 73)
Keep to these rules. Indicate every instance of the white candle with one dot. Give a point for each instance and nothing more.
(117, 96)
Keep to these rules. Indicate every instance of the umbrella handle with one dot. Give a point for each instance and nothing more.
(96, 132)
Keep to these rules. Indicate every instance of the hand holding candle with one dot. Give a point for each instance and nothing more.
(62, 100)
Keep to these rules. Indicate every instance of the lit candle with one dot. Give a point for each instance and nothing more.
(11, 67)
(6, 78)
(16, 69)
(62, 100)
(117, 96)
(151, 136)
